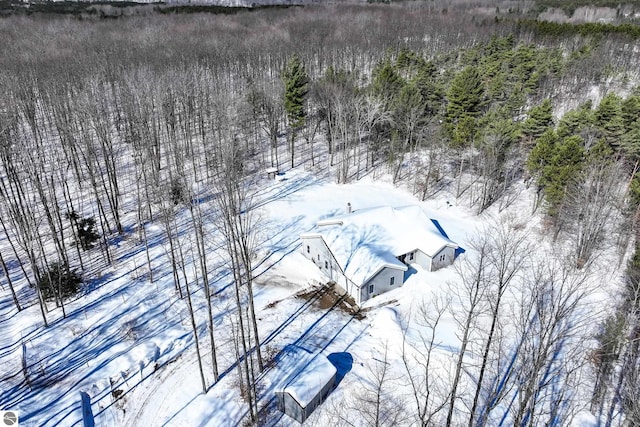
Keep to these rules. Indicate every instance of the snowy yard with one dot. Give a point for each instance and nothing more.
(126, 348)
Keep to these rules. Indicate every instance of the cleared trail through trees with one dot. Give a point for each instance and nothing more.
(156, 393)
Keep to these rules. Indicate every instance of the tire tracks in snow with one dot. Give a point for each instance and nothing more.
(161, 384)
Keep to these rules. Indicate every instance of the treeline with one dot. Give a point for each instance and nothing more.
(569, 6)
(586, 170)
(118, 9)
(11, 7)
(586, 29)
(108, 127)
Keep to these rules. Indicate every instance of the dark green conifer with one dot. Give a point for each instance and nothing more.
(608, 118)
(296, 87)
(538, 121)
(465, 95)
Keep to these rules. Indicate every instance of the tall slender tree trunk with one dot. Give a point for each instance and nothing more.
(485, 358)
(243, 335)
(15, 252)
(172, 250)
(292, 147)
(72, 220)
(459, 177)
(458, 371)
(202, 255)
(475, 293)
(10, 283)
(193, 319)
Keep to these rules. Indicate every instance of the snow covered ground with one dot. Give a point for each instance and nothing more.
(125, 353)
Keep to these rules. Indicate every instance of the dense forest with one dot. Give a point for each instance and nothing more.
(141, 116)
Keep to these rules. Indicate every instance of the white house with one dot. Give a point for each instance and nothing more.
(368, 251)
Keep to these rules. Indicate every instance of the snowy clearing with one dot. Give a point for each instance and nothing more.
(125, 352)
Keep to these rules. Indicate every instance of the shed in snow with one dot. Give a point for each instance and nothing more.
(368, 251)
(307, 389)
(272, 172)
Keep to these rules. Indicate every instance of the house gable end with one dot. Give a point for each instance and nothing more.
(374, 246)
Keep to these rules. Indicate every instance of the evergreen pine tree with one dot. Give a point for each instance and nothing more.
(555, 162)
(540, 155)
(408, 60)
(431, 91)
(464, 132)
(60, 281)
(87, 234)
(599, 153)
(538, 121)
(630, 143)
(575, 122)
(296, 88)
(608, 118)
(465, 101)
(630, 110)
(566, 164)
(465, 95)
(386, 83)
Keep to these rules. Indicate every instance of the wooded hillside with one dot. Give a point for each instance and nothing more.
(106, 119)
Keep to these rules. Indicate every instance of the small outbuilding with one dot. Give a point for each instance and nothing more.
(307, 389)
(272, 172)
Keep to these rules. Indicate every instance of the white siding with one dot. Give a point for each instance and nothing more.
(381, 282)
(443, 258)
(423, 260)
(315, 249)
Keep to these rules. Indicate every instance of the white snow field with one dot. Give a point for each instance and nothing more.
(125, 353)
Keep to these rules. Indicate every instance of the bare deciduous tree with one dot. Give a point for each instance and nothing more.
(553, 323)
(592, 206)
(430, 391)
(237, 227)
(469, 297)
(508, 254)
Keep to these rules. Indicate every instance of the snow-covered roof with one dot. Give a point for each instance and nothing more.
(367, 240)
(306, 385)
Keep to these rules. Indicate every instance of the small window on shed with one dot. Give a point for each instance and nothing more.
(308, 249)
(370, 289)
(392, 281)
(318, 257)
(411, 256)
(326, 264)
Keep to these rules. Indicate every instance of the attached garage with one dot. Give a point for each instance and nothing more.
(367, 251)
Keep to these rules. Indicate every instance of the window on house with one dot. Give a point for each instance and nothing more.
(392, 281)
(326, 264)
(411, 256)
(318, 257)
(370, 289)
(442, 257)
(308, 249)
